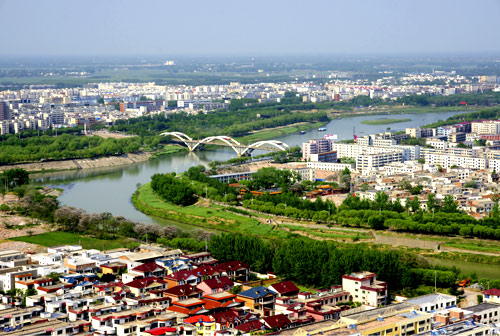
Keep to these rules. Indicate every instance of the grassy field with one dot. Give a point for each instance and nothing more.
(268, 134)
(330, 233)
(384, 121)
(66, 238)
(168, 150)
(209, 216)
(474, 246)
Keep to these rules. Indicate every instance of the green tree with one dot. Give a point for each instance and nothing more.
(449, 204)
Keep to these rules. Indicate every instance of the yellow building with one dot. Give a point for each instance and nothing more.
(394, 320)
(205, 325)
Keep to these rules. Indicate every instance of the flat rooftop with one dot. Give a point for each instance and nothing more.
(483, 306)
(430, 298)
(456, 328)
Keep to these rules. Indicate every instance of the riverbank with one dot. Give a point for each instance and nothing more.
(384, 121)
(275, 132)
(109, 161)
(203, 214)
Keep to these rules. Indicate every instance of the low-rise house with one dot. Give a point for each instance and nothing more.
(235, 270)
(215, 285)
(12, 258)
(12, 317)
(201, 258)
(221, 301)
(276, 322)
(433, 302)
(183, 292)
(285, 288)
(365, 288)
(141, 286)
(486, 312)
(79, 265)
(250, 326)
(205, 325)
(492, 295)
(259, 299)
(113, 268)
(189, 307)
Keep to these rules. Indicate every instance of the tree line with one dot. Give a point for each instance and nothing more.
(322, 264)
(66, 146)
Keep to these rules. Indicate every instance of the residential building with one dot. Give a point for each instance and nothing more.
(433, 302)
(365, 288)
(491, 296)
(259, 299)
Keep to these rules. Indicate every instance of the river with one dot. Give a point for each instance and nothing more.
(110, 189)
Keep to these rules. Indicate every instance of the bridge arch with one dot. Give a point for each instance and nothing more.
(273, 143)
(180, 136)
(226, 139)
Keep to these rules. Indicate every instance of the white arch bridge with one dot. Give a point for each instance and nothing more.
(222, 140)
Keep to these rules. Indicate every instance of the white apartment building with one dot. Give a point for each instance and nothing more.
(437, 143)
(316, 146)
(365, 288)
(447, 161)
(486, 127)
(369, 162)
(354, 150)
(330, 166)
(433, 302)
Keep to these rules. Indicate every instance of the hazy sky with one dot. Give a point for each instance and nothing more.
(248, 27)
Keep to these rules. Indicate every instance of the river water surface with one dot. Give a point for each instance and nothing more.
(110, 189)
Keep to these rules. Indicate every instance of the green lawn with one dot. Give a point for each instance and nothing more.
(384, 121)
(278, 132)
(55, 238)
(331, 233)
(213, 216)
(475, 246)
(168, 150)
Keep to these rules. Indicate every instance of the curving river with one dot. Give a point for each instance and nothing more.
(110, 189)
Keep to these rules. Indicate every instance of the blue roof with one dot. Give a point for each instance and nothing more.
(257, 292)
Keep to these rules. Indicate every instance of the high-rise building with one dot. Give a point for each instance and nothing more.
(4, 111)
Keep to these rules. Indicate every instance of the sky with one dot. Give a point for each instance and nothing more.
(248, 27)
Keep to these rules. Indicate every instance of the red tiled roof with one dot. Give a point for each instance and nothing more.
(144, 282)
(285, 287)
(277, 321)
(250, 326)
(205, 270)
(229, 316)
(231, 266)
(493, 291)
(148, 267)
(218, 283)
(183, 290)
(161, 330)
(197, 318)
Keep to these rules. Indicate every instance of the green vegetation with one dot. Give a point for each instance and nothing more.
(68, 238)
(66, 146)
(489, 113)
(168, 150)
(173, 190)
(274, 133)
(321, 264)
(234, 122)
(12, 178)
(384, 121)
(211, 216)
(484, 99)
